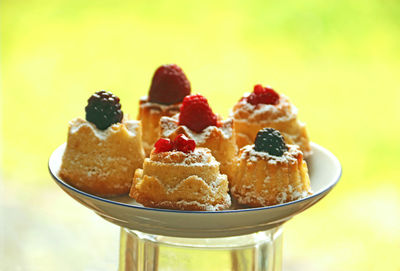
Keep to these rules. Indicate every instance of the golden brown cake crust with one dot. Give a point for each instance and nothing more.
(220, 140)
(102, 162)
(150, 114)
(185, 181)
(263, 180)
(249, 119)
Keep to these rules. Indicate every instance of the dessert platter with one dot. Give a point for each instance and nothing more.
(181, 170)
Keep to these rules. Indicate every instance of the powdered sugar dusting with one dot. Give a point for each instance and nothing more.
(289, 156)
(132, 127)
(208, 207)
(200, 138)
(200, 206)
(198, 157)
(282, 112)
(213, 186)
(250, 195)
(287, 194)
(169, 125)
(291, 194)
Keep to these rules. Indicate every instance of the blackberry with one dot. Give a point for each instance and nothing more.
(103, 109)
(271, 141)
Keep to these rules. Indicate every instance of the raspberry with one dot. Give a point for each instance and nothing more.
(103, 109)
(271, 141)
(180, 143)
(169, 85)
(163, 145)
(184, 144)
(196, 114)
(263, 95)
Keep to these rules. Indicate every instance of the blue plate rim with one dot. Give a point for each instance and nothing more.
(142, 208)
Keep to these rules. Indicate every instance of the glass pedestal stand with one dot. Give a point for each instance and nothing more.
(259, 251)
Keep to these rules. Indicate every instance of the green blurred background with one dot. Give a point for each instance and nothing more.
(338, 61)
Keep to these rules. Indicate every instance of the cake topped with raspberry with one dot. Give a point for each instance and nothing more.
(179, 176)
(264, 107)
(198, 122)
(168, 88)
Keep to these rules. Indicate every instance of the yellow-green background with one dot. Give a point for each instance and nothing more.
(338, 61)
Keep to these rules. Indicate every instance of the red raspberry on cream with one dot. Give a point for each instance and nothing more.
(196, 114)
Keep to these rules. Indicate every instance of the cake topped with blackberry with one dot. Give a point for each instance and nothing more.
(103, 150)
(270, 172)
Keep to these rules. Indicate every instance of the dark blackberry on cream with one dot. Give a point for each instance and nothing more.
(103, 109)
(271, 141)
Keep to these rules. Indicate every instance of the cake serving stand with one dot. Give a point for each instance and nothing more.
(239, 238)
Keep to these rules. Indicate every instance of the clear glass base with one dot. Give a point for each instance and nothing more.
(260, 251)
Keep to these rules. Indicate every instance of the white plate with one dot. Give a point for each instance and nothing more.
(324, 170)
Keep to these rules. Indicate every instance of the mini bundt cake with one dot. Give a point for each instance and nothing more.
(180, 176)
(270, 172)
(266, 108)
(197, 121)
(103, 151)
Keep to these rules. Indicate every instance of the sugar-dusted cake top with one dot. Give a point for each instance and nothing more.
(291, 155)
(284, 110)
(199, 156)
(170, 125)
(270, 146)
(181, 150)
(131, 126)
